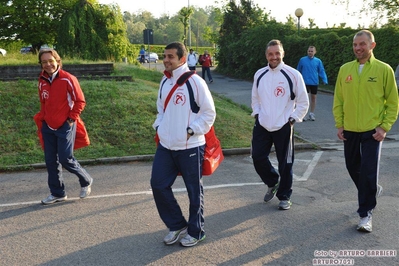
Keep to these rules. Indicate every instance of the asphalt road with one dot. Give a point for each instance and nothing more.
(119, 225)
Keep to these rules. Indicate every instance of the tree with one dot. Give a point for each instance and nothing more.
(236, 21)
(290, 21)
(215, 19)
(135, 31)
(184, 17)
(33, 22)
(173, 30)
(381, 8)
(93, 32)
(311, 23)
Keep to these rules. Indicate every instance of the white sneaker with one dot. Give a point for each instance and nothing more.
(365, 224)
(312, 117)
(284, 205)
(189, 241)
(85, 191)
(52, 199)
(173, 236)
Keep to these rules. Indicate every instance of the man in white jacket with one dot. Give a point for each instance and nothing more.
(192, 60)
(181, 147)
(279, 99)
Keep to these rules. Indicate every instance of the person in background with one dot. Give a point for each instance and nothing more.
(181, 147)
(279, 99)
(311, 69)
(192, 60)
(206, 62)
(397, 76)
(61, 103)
(142, 55)
(365, 108)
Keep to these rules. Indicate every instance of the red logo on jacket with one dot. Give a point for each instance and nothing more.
(279, 91)
(180, 99)
(348, 79)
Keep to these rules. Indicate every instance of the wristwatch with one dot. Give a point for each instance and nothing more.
(291, 120)
(190, 131)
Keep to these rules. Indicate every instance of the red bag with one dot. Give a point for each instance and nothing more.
(213, 155)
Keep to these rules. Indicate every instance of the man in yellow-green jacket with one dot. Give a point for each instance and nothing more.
(365, 108)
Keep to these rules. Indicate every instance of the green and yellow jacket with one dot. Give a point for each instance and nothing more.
(367, 100)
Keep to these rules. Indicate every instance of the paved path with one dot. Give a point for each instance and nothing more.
(118, 224)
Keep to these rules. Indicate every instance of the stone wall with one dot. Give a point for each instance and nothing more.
(8, 73)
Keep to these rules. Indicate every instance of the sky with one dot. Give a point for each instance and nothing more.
(323, 12)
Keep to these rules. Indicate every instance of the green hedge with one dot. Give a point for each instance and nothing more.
(244, 56)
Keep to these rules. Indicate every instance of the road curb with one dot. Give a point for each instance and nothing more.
(149, 157)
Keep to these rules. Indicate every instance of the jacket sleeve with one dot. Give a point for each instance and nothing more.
(397, 76)
(301, 100)
(391, 101)
(299, 67)
(40, 114)
(255, 101)
(207, 114)
(78, 98)
(338, 104)
(160, 110)
(322, 73)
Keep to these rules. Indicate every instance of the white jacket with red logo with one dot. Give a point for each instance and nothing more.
(271, 97)
(172, 124)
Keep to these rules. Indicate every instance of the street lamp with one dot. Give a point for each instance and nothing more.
(189, 27)
(298, 14)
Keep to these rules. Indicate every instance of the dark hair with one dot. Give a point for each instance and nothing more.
(53, 53)
(275, 42)
(181, 49)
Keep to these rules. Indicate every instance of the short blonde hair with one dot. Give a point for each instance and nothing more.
(53, 53)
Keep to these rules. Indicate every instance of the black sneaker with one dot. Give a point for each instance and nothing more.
(271, 192)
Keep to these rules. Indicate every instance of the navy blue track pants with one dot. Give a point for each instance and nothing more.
(262, 141)
(166, 166)
(206, 71)
(58, 153)
(362, 158)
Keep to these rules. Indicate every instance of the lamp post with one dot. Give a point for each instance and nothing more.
(189, 27)
(298, 14)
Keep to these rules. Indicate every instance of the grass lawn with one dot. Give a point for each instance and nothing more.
(118, 117)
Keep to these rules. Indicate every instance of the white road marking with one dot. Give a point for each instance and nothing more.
(310, 163)
(310, 168)
(149, 192)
